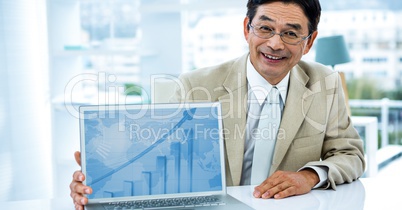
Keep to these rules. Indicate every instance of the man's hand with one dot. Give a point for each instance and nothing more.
(283, 184)
(77, 188)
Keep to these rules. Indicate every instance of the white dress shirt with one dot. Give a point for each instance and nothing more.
(258, 89)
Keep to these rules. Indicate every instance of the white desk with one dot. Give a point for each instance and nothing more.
(364, 194)
(349, 196)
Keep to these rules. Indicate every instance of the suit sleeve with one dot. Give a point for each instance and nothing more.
(181, 91)
(342, 150)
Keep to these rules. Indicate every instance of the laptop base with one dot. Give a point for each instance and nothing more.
(222, 202)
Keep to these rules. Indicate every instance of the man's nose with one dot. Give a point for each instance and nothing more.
(275, 42)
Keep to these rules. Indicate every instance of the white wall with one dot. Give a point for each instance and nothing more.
(25, 127)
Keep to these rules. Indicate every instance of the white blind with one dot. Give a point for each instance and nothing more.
(25, 116)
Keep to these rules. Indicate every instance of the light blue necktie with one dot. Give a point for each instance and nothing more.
(265, 137)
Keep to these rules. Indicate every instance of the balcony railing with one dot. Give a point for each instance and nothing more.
(389, 114)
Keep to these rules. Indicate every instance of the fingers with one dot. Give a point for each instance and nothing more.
(265, 189)
(282, 190)
(290, 191)
(78, 190)
(281, 185)
(273, 188)
(77, 156)
(78, 206)
(79, 200)
(78, 176)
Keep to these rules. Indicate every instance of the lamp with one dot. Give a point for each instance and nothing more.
(332, 50)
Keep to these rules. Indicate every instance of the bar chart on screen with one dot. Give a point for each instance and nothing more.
(152, 155)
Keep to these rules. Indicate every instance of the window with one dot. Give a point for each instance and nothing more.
(375, 60)
(110, 29)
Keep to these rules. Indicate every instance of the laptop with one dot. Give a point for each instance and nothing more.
(154, 156)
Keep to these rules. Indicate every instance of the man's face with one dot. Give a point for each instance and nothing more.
(273, 58)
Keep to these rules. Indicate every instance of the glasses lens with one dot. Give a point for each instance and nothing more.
(290, 40)
(261, 34)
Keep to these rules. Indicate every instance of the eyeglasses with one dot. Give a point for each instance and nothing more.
(289, 37)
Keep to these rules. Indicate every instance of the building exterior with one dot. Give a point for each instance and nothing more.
(374, 38)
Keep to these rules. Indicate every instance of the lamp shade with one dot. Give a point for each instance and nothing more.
(332, 50)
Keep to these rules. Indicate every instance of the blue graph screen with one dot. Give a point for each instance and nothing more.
(152, 152)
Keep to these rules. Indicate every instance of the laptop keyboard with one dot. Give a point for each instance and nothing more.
(166, 203)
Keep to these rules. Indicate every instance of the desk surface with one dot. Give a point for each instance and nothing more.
(366, 193)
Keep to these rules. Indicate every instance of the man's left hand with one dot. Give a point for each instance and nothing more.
(282, 184)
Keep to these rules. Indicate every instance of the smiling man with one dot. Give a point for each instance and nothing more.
(312, 144)
(274, 56)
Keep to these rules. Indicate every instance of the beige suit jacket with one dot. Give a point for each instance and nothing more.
(315, 128)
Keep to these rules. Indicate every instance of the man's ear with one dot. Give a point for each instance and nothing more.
(310, 42)
(246, 29)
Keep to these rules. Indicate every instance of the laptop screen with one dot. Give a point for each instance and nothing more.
(152, 150)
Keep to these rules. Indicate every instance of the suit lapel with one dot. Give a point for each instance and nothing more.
(297, 105)
(234, 109)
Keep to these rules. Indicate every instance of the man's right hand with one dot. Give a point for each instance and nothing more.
(77, 188)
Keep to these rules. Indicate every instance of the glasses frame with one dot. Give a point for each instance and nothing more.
(273, 33)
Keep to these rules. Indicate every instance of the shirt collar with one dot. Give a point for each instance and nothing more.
(260, 87)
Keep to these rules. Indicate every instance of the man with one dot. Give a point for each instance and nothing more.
(316, 145)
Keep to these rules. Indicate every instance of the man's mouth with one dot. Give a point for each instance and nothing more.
(272, 57)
